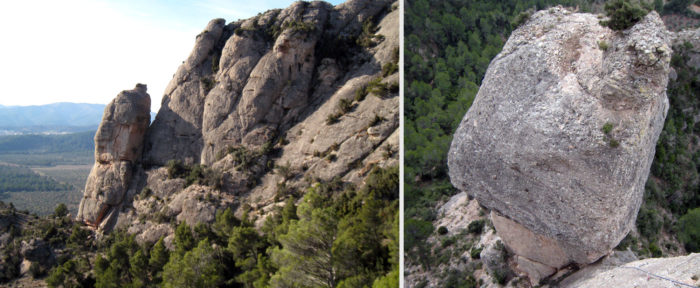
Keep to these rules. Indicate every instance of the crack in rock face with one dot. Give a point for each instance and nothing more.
(561, 136)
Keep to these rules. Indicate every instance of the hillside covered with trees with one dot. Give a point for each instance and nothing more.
(338, 235)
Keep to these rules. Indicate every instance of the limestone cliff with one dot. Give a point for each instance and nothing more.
(261, 109)
(118, 143)
(561, 153)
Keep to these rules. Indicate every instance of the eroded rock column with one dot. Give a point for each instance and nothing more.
(118, 145)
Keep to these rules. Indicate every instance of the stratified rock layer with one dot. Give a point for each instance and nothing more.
(533, 146)
(118, 145)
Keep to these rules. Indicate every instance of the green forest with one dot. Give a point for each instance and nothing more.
(16, 178)
(38, 171)
(448, 46)
(336, 235)
(48, 150)
(38, 143)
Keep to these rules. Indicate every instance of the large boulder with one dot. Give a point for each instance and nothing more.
(560, 138)
(118, 145)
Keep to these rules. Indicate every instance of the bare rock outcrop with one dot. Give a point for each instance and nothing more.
(682, 271)
(262, 109)
(561, 136)
(118, 146)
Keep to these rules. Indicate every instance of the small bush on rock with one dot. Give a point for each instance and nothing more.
(623, 14)
(476, 227)
(689, 230)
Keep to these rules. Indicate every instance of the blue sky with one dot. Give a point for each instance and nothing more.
(88, 51)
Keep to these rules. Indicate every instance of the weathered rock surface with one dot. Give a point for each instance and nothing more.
(37, 250)
(254, 98)
(680, 271)
(118, 146)
(535, 151)
(244, 82)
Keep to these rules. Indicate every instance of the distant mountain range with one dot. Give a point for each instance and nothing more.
(56, 114)
(63, 117)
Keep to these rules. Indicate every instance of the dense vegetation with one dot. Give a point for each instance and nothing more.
(623, 14)
(37, 143)
(59, 166)
(448, 46)
(337, 235)
(48, 150)
(17, 178)
(674, 190)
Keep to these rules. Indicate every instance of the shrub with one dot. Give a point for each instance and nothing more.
(60, 211)
(367, 38)
(654, 249)
(360, 93)
(500, 276)
(284, 170)
(215, 63)
(389, 68)
(377, 88)
(300, 25)
(241, 156)
(207, 83)
(475, 252)
(607, 128)
(442, 230)
(628, 241)
(476, 226)
(415, 232)
(376, 120)
(521, 19)
(689, 230)
(388, 152)
(456, 279)
(344, 106)
(145, 192)
(602, 45)
(175, 169)
(331, 157)
(614, 143)
(623, 14)
(332, 118)
(648, 223)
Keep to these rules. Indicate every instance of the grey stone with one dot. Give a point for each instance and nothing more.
(244, 85)
(682, 271)
(118, 146)
(532, 145)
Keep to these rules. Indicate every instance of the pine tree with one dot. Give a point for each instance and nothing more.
(197, 268)
(245, 245)
(306, 258)
(184, 241)
(159, 257)
(139, 269)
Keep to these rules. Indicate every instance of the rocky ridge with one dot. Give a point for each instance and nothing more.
(263, 108)
(561, 154)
